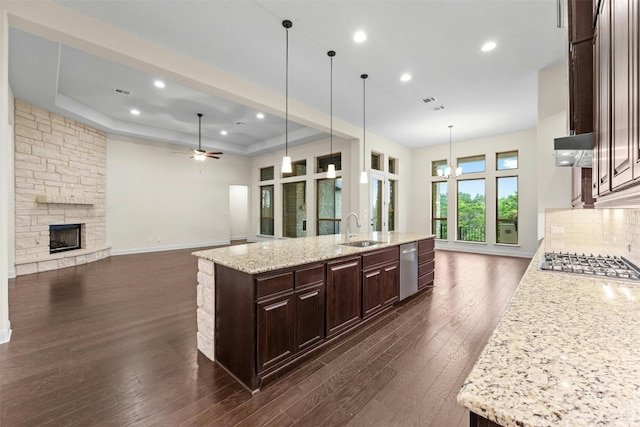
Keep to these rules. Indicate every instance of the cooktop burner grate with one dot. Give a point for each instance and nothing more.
(592, 265)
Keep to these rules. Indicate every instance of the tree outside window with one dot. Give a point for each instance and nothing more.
(471, 210)
(439, 209)
(507, 218)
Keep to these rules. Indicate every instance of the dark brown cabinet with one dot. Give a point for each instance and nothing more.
(426, 262)
(309, 308)
(275, 331)
(268, 321)
(344, 299)
(380, 280)
(616, 173)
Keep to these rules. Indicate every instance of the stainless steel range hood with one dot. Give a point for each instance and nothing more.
(574, 151)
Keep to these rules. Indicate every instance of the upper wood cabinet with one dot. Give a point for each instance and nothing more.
(617, 84)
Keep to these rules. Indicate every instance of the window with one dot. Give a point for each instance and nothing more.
(439, 209)
(266, 210)
(506, 161)
(298, 168)
(472, 164)
(266, 174)
(393, 165)
(324, 161)
(471, 210)
(376, 161)
(329, 206)
(393, 190)
(507, 209)
(438, 165)
(294, 209)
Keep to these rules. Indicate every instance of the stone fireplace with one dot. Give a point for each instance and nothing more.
(60, 179)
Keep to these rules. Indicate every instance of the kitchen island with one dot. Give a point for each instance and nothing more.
(263, 307)
(566, 352)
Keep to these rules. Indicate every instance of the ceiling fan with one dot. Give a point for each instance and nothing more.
(199, 154)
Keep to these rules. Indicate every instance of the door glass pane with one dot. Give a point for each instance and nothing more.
(329, 206)
(376, 200)
(507, 221)
(472, 164)
(506, 161)
(266, 210)
(471, 210)
(439, 209)
(393, 189)
(294, 210)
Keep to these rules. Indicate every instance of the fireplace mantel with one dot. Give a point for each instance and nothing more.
(65, 200)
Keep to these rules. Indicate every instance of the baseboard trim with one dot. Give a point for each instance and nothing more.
(5, 334)
(168, 248)
(462, 248)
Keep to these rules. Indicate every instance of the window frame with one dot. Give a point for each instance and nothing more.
(337, 217)
(435, 194)
(508, 152)
(273, 173)
(272, 217)
(484, 160)
(484, 180)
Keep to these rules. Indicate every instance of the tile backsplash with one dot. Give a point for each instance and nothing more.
(602, 231)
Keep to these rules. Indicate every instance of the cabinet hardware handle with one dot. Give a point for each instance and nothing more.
(273, 307)
(312, 294)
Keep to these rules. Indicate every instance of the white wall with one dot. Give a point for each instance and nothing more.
(157, 199)
(554, 183)
(524, 142)
(6, 173)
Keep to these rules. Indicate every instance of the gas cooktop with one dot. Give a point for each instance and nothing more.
(592, 265)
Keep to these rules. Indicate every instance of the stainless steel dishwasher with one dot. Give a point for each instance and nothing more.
(408, 269)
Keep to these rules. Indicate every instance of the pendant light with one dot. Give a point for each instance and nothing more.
(447, 170)
(331, 170)
(363, 176)
(286, 160)
(200, 154)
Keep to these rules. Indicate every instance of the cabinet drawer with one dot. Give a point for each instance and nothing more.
(309, 275)
(425, 257)
(426, 245)
(425, 268)
(268, 285)
(380, 256)
(425, 280)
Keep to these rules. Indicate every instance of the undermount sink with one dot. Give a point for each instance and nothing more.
(362, 243)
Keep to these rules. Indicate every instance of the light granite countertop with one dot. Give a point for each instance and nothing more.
(271, 255)
(566, 352)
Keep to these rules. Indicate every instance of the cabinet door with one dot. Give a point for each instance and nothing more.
(275, 331)
(603, 136)
(372, 283)
(309, 316)
(343, 295)
(390, 291)
(621, 145)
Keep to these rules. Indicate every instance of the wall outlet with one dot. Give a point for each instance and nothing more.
(557, 230)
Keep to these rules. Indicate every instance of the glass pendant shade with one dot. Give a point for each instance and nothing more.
(286, 164)
(199, 157)
(458, 171)
(331, 171)
(447, 170)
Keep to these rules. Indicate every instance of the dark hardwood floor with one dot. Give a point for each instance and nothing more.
(113, 343)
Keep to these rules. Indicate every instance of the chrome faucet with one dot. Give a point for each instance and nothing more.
(347, 236)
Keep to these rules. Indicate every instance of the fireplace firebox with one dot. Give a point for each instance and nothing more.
(64, 237)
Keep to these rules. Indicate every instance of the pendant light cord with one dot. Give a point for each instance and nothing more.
(450, 158)
(331, 105)
(286, 95)
(364, 120)
(199, 131)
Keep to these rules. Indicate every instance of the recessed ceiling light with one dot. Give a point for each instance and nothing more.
(260, 116)
(223, 132)
(159, 84)
(488, 46)
(405, 77)
(135, 112)
(359, 37)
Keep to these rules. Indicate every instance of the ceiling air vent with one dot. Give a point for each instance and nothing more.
(438, 108)
(122, 91)
(429, 99)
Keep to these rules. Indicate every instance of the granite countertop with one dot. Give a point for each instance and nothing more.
(271, 255)
(566, 352)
